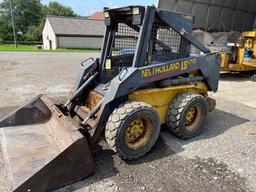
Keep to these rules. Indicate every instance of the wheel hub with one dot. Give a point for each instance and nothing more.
(138, 133)
(134, 131)
(190, 116)
(193, 117)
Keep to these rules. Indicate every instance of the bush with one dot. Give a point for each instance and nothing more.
(34, 33)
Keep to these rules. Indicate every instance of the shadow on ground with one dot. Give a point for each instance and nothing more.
(217, 123)
(237, 76)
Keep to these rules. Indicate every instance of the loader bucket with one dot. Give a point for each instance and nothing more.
(43, 149)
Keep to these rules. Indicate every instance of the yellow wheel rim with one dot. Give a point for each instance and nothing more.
(190, 116)
(138, 133)
(194, 117)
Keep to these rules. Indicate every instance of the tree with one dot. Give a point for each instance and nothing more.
(29, 16)
(34, 33)
(5, 31)
(26, 13)
(56, 9)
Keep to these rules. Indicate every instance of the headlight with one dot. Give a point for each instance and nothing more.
(106, 14)
(136, 11)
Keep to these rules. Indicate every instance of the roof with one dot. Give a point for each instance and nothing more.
(76, 26)
(216, 15)
(97, 15)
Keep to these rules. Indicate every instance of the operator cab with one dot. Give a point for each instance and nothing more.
(123, 35)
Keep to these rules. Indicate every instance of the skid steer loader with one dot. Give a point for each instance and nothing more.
(145, 77)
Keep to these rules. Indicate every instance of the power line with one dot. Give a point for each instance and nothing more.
(13, 24)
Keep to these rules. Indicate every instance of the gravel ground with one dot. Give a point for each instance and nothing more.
(222, 158)
(24, 75)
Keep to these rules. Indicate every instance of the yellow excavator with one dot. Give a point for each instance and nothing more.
(242, 55)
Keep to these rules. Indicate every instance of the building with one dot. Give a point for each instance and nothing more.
(97, 15)
(216, 15)
(70, 32)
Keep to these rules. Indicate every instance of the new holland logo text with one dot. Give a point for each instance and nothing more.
(182, 65)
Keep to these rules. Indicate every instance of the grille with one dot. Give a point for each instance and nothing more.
(166, 44)
(124, 44)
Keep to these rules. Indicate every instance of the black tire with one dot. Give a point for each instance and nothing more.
(119, 126)
(253, 78)
(179, 118)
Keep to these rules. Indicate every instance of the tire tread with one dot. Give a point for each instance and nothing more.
(176, 109)
(117, 119)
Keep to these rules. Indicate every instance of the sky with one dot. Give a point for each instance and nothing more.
(87, 7)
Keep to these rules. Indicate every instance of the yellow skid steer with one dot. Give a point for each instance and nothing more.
(145, 77)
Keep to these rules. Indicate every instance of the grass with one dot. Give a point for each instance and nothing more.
(32, 48)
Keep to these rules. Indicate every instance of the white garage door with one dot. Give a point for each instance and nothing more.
(80, 42)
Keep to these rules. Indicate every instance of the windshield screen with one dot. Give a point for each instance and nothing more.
(124, 43)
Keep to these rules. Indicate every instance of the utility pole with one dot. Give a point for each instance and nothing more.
(13, 24)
